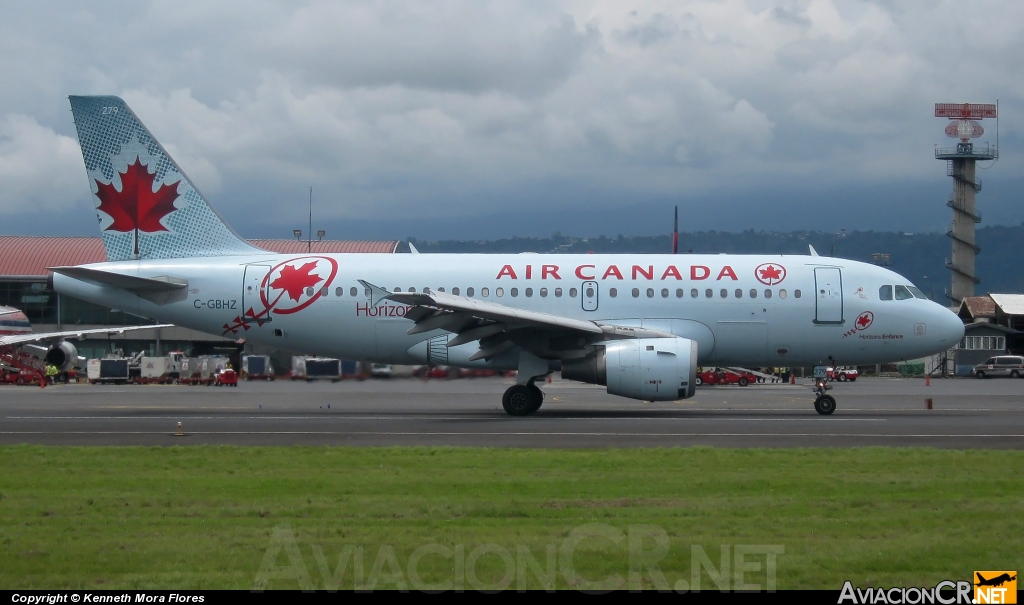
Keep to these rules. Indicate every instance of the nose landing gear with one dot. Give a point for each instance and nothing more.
(824, 403)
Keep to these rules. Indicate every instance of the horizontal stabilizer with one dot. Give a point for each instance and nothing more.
(162, 289)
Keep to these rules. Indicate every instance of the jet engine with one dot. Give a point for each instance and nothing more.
(651, 369)
(64, 356)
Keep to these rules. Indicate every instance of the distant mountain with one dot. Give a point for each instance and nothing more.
(918, 256)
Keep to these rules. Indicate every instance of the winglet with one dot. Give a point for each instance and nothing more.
(813, 251)
(412, 249)
(377, 293)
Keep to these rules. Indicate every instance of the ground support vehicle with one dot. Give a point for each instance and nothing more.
(1003, 365)
(842, 374)
(226, 377)
(201, 370)
(110, 370)
(257, 367)
(725, 376)
(316, 368)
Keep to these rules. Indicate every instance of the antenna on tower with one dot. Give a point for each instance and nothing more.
(675, 234)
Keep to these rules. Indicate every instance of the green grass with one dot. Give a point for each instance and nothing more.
(205, 517)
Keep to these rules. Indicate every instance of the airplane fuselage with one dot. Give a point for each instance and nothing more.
(755, 310)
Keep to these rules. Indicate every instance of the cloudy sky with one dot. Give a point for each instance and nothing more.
(483, 119)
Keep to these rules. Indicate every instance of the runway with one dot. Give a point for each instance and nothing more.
(965, 413)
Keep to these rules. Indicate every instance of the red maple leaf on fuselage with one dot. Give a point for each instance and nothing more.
(294, 281)
(136, 207)
(770, 273)
(864, 321)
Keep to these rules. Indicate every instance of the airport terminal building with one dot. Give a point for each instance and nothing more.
(23, 285)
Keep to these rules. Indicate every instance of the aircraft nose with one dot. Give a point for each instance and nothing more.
(949, 327)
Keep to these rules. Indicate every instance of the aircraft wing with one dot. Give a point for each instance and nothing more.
(499, 327)
(31, 338)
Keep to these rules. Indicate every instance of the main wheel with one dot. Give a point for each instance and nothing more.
(825, 405)
(538, 394)
(521, 400)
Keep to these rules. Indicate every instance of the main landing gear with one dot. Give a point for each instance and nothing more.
(824, 403)
(522, 399)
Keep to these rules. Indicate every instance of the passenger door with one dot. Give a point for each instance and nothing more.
(828, 291)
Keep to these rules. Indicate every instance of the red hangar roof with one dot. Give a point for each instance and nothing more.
(22, 256)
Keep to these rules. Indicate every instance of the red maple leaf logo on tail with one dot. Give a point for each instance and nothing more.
(294, 281)
(136, 207)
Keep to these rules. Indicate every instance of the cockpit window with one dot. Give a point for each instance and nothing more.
(917, 292)
(885, 293)
(903, 293)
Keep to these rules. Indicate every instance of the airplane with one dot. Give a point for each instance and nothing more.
(639, 325)
(20, 347)
(996, 581)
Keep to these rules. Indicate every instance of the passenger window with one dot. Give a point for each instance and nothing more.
(529, 292)
(664, 292)
(636, 292)
(324, 291)
(543, 292)
(354, 292)
(339, 292)
(611, 292)
(398, 289)
(426, 290)
(767, 293)
(558, 292)
(366, 292)
(499, 292)
(650, 292)
(709, 293)
(572, 292)
(693, 293)
(903, 293)
(440, 289)
(782, 293)
(412, 289)
(739, 293)
(724, 293)
(484, 292)
(309, 291)
(514, 292)
(753, 293)
(679, 293)
(455, 291)
(469, 291)
(796, 293)
(885, 293)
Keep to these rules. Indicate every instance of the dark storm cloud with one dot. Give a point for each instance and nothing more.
(442, 114)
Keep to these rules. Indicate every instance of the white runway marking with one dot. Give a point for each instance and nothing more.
(445, 418)
(517, 434)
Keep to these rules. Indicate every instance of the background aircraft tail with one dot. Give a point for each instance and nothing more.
(147, 207)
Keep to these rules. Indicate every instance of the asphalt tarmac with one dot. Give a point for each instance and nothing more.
(889, 412)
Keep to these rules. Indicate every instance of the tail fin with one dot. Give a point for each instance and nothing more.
(146, 205)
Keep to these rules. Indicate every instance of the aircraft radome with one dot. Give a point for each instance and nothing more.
(637, 324)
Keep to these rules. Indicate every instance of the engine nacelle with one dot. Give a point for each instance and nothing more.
(651, 369)
(64, 356)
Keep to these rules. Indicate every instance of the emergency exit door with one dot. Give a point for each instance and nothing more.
(828, 294)
(589, 295)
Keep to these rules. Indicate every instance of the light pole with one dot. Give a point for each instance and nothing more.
(309, 234)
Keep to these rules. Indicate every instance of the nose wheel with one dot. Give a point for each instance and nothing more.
(522, 399)
(824, 403)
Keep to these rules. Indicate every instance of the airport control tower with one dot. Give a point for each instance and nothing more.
(961, 164)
